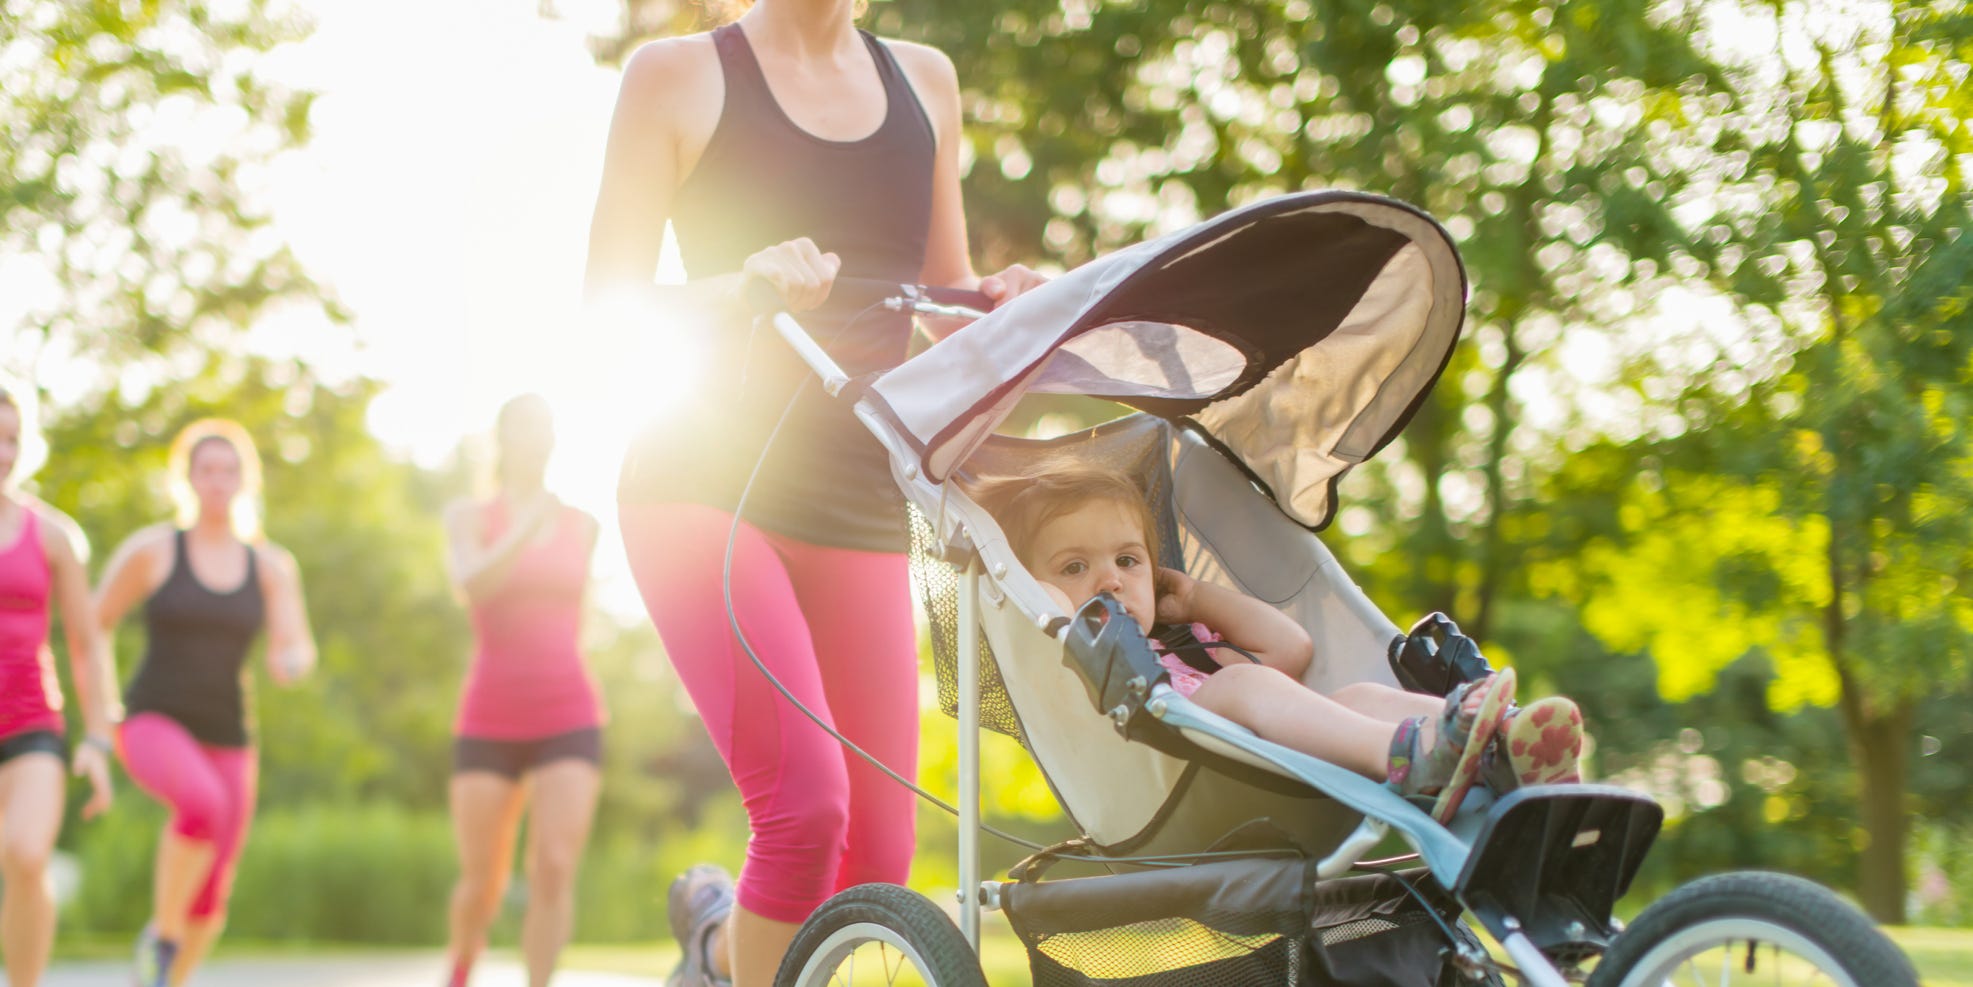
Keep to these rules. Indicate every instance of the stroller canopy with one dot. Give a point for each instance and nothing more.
(1300, 333)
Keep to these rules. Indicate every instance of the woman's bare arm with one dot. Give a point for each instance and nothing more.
(67, 549)
(667, 105)
(290, 641)
(479, 569)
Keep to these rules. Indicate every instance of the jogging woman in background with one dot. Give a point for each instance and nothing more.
(42, 556)
(787, 147)
(529, 728)
(208, 584)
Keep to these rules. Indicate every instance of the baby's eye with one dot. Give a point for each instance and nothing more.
(1075, 568)
(1128, 561)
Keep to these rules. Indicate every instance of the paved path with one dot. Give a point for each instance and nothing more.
(339, 971)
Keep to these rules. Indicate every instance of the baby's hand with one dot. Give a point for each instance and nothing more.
(1174, 596)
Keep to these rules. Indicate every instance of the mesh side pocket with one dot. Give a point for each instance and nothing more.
(1174, 952)
(1227, 923)
(938, 593)
(1261, 921)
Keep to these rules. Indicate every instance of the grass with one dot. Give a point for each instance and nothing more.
(1944, 957)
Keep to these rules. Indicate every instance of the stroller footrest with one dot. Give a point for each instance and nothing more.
(1555, 859)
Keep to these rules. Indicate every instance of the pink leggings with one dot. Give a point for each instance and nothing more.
(210, 791)
(834, 626)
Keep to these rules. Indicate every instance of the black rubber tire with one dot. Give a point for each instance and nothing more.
(904, 918)
(1696, 915)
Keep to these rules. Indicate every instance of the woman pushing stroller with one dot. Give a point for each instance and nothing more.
(1082, 531)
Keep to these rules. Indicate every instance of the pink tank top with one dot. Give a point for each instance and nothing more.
(528, 679)
(30, 695)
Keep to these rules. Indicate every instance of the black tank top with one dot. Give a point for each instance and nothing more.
(763, 180)
(195, 652)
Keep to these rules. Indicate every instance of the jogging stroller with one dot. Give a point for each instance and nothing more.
(1267, 351)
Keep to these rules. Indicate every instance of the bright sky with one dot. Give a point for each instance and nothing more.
(445, 199)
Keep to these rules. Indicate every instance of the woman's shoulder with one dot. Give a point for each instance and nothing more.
(148, 547)
(664, 66)
(149, 540)
(276, 562)
(58, 531)
(924, 63)
(466, 508)
(585, 523)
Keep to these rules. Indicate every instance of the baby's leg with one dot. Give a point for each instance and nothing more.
(1288, 713)
(1387, 703)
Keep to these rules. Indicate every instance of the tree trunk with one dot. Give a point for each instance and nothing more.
(1879, 747)
(1427, 440)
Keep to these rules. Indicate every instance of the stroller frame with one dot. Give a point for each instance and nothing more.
(1450, 854)
(1540, 868)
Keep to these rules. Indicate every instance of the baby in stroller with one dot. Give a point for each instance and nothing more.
(1083, 530)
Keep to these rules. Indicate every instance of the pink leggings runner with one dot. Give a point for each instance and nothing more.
(834, 626)
(209, 789)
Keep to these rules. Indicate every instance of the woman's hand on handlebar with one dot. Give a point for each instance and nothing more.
(1005, 286)
(799, 270)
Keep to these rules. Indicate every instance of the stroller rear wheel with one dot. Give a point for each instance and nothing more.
(879, 934)
(1747, 928)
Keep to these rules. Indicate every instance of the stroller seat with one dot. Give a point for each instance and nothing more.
(1186, 791)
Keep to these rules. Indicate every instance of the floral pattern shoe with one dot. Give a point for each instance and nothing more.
(1537, 744)
(1451, 765)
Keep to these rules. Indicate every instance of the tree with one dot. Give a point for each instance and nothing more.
(133, 138)
(1822, 190)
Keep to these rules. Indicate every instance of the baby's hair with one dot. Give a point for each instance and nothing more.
(1022, 503)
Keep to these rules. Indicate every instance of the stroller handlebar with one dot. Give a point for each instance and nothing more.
(765, 299)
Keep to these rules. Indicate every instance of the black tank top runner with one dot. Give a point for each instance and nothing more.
(763, 180)
(195, 652)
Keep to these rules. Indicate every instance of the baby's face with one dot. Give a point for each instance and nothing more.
(1095, 548)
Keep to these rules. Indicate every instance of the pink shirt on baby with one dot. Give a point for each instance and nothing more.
(1184, 678)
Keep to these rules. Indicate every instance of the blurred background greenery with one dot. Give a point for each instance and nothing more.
(1702, 460)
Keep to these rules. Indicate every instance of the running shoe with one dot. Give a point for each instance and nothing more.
(151, 962)
(700, 899)
(1538, 744)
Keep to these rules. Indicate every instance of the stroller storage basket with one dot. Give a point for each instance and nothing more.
(1250, 921)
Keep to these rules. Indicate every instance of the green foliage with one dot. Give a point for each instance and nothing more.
(373, 873)
(134, 139)
(364, 872)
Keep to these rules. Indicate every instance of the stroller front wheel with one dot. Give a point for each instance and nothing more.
(891, 933)
(1750, 927)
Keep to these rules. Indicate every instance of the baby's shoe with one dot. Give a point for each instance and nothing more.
(1451, 765)
(1537, 744)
